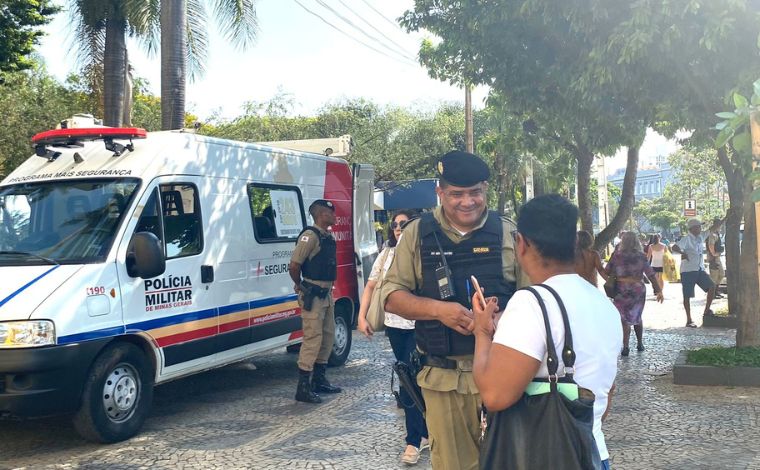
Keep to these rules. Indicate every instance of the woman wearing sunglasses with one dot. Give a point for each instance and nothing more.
(400, 332)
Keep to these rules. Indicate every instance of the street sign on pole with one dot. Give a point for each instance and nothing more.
(689, 207)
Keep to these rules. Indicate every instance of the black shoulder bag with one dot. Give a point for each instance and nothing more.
(545, 430)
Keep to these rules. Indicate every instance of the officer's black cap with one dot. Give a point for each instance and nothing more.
(462, 169)
(322, 203)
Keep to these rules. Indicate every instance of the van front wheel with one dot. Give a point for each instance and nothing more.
(117, 395)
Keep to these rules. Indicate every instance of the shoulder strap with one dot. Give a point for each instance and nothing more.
(568, 354)
(551, 361)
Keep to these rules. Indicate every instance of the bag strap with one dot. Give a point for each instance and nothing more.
(551, 361)
(385, 253)
(568, 353)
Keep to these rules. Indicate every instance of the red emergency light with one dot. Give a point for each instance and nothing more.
(75, 137)
(57, 136)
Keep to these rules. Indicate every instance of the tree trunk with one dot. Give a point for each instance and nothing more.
(748, 330)
(128, 92)
(173, 63)
(734, 214)
(113, 71)
(627, 200)
(585, 160)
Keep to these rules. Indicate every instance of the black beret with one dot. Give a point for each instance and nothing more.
(323, 203)
(462, 169)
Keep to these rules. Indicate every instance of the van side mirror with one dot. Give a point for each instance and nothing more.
(145, 256)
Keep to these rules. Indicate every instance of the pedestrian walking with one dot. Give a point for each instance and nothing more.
(714, 252)
(315, 258)
(629, 265)
(400, 332)
(587, 260)
(692, 248)
(428, 281)
(656, 256)
(508, 359)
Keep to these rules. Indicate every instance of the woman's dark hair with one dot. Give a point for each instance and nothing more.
(392, 236)
(550, 222)
(585, 239)
(655, 239)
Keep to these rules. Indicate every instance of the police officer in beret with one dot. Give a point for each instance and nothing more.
(428, 281)
(314, 257)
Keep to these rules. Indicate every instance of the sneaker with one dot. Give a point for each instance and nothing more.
(424, 444)
(411, 455)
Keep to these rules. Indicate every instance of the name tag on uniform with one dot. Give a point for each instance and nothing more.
(481, 249)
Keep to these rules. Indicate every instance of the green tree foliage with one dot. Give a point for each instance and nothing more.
(32, 101)
(400, 143)
(20, 21)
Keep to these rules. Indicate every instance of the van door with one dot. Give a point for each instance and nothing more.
(365, 243)
(175, 310)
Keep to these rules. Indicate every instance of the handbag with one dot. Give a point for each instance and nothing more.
(610, 285)
(545, 430)
(376, 311)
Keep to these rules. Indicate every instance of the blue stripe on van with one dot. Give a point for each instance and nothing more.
(21, 289)
(173, 320)
(233, 308)
(97, 334)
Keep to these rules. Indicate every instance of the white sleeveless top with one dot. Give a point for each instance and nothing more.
(657, 256)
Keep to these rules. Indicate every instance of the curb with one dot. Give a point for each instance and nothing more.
(686, 374)
(719, 321)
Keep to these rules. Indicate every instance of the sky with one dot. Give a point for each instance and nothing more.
(297, 53)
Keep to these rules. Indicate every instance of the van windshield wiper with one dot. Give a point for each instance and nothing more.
(32, 255)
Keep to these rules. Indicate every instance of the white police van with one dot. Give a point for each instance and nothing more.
(129, 259)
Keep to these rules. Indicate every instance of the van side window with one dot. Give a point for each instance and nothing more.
(175, 219)
(277, 212)
(182, 220)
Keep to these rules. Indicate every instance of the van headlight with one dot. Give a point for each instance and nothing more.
(26, 334)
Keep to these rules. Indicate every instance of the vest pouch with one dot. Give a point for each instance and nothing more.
(432, 337)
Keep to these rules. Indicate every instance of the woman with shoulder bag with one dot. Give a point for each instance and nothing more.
(400, 332)
(629, 265)
(546, 370)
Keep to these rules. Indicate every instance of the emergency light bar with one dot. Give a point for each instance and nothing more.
(69, 138)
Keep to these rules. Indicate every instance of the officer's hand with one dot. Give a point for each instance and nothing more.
(297, 288)
(684, 256)
(365, 327)
(484, 316)
(456, 317)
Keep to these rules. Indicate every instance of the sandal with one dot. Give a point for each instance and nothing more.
(691, 324)
(624, 352)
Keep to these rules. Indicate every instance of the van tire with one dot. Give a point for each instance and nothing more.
(342, 344)
(122, 375)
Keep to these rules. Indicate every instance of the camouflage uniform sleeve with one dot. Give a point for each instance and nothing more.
(405, 272)
(305, 246)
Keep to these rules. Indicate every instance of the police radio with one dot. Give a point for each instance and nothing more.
(443, 275)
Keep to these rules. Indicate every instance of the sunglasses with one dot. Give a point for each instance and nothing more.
(401, 225)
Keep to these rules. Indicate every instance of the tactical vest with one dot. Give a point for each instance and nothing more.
(324, 265)
(479, 255)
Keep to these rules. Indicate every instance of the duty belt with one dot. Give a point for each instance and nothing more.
(446, 363)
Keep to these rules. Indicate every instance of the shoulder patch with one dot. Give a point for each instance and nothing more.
(305, 238)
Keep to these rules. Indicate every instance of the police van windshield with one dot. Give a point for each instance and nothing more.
(61, 222)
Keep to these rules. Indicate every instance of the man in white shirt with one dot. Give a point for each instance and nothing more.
(692, 250)
(509, 358)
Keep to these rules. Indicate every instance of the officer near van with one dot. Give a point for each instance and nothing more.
(429, 282)
(314, 258)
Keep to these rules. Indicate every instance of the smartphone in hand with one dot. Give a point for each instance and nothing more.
(478, 291)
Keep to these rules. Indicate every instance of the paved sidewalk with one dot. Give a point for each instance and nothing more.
(244, 416)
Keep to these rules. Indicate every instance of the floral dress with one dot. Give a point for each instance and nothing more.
(631, 296)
